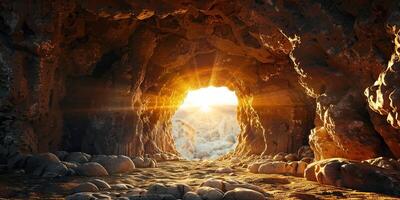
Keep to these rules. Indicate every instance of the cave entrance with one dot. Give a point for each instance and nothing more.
(205, 126)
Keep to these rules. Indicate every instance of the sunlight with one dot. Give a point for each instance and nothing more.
(207, 98)
(206, 126)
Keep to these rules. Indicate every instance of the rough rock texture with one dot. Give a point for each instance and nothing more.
(106, 77)
(356, 175)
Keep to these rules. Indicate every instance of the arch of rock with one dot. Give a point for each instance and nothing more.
(105, 77)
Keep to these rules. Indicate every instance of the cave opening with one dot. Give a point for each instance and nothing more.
(205, 126)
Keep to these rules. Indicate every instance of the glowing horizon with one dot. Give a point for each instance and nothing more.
(206, 98)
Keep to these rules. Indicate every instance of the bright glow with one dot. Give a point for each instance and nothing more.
(206, 126)
(206, 98)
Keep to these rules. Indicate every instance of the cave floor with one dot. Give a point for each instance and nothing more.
(193, 173)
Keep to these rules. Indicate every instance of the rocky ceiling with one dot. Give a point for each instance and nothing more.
(105, 77)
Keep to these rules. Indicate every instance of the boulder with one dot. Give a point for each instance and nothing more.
(61, 154)
(387, 163)
(243, 194)
(224, 170)
(91, 169)
(152, 197)
(54, 169)
(81, 196)
(355, 175)
(210, 193)
(115, 164)
(86, 187)
(277, 167)
(77, 157)
(291, 157)
(39, 161)
(253, 167)
(226, 185)
(191, 196)
(301, 166)
(176, 190)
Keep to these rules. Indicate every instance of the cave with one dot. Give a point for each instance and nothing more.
(90, 92)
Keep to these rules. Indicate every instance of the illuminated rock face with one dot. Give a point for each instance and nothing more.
(106, 77)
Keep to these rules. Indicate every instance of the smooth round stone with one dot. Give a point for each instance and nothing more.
(209, 193)
(54, 169)
(176, 190)
(115, 164)
(86, 187)
(243, 194)
(191, 196)
(78, 157)
(214, 183)
(61, 154)
(40, 160)
(224, 170)
(91, 169)
(81, 196)
(102, 185)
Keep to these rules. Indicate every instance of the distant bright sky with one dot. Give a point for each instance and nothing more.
(205, 98)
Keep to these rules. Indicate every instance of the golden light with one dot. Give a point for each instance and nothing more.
(206, 98)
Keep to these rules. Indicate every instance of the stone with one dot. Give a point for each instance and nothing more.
(243, 194)
(81, 196)
(91, 169)
(61, 154)
(214, 183)
(291, 157)
(276, 167)
(176, 190)
(226, 185)
(253, 167)
(102, 185)
(18, 161)
(86, 187)
(54, 169)
(305, 151)
(139, 162)
(301, 167)
(210, 193)
(307, 159)
(191, 196)
(121, 186)
(70, 165)
(39, 161)
(224, 170)
(115, 164)
(387, 163)
(153, 197)
(101, 196)
(279, 157)
(136, 191)
(149, 162)
(144, 162)
(355, 175)
(78, 157)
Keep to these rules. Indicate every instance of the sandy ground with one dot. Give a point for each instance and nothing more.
(193, 173)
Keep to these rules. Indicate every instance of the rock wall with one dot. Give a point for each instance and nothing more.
(106, 77)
